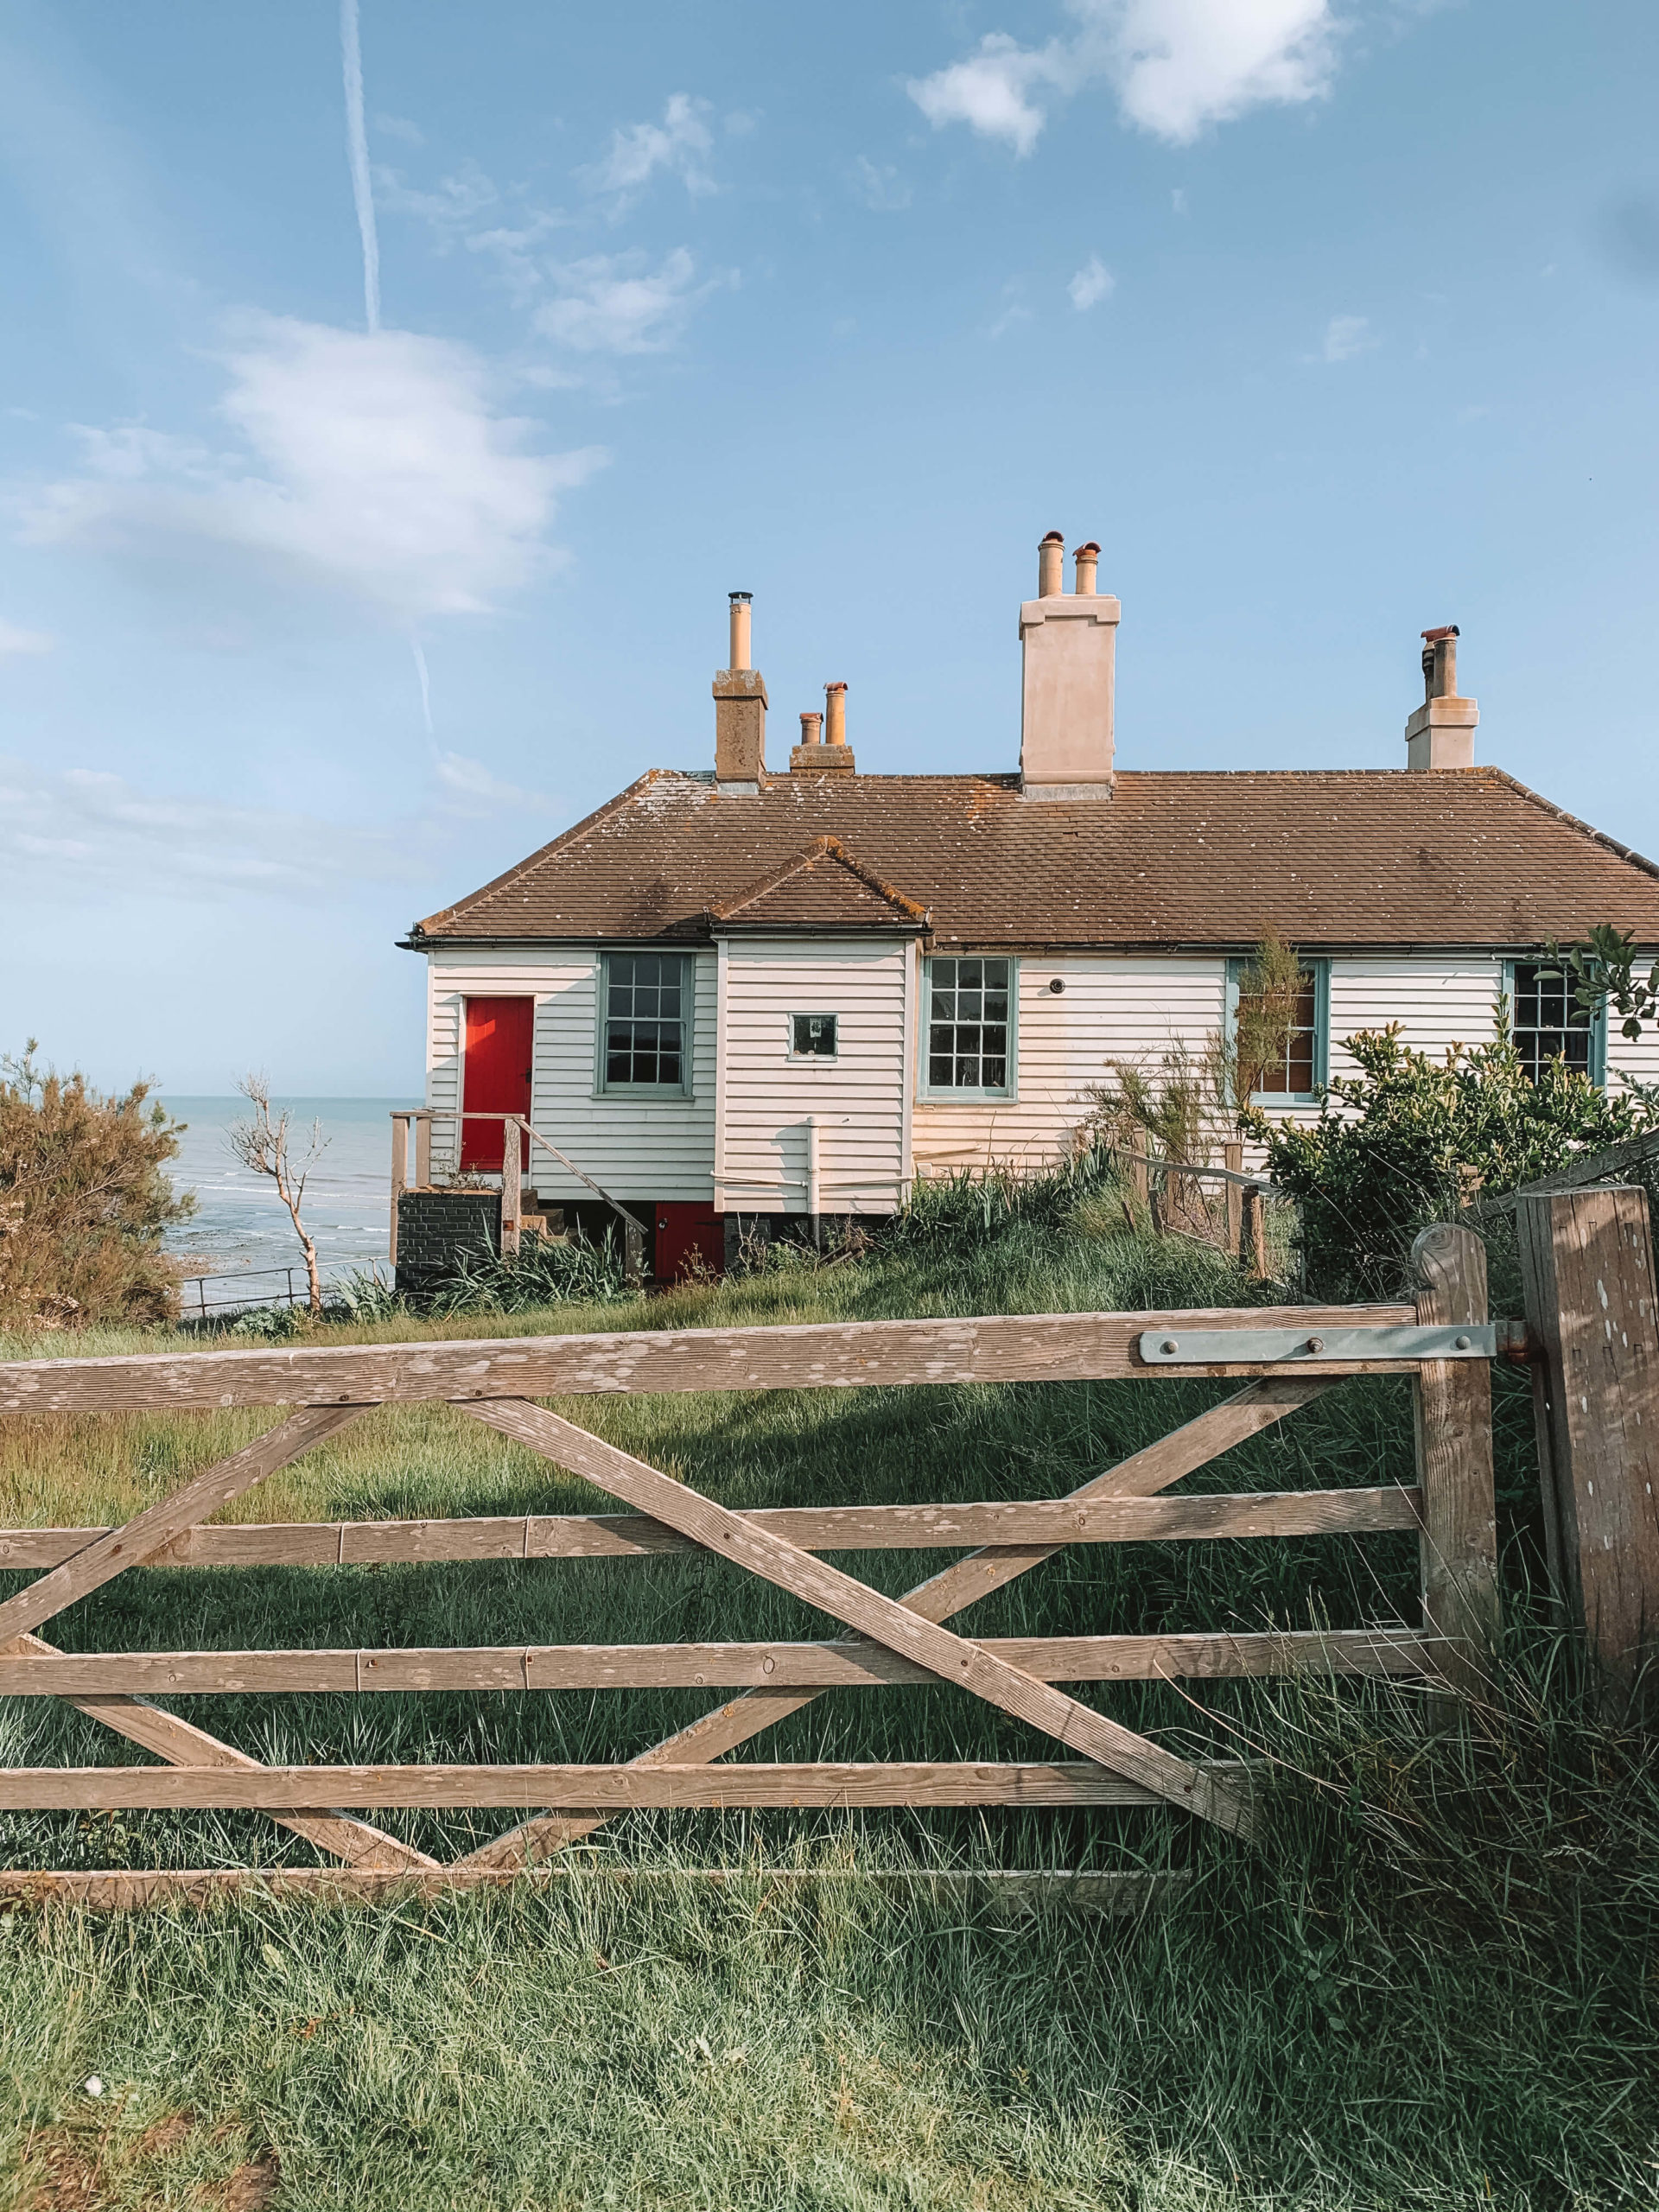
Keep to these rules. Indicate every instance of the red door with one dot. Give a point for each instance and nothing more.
(495, 1074)
(690, 1241)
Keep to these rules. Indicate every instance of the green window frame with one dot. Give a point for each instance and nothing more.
(970, 1027)
(1307, 1063)
(643, 1046)
(1539, 991)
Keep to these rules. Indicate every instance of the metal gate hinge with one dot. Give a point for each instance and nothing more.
(1227, 1347)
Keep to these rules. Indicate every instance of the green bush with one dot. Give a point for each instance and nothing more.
(1409, 1140)
(84, 1201)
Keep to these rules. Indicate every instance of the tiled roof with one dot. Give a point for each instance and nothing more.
(822, 888)
(1328, 857)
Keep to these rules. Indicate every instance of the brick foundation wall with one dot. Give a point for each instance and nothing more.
(434, 1229)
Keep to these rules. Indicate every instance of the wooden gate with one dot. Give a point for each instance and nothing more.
(1289, 1355)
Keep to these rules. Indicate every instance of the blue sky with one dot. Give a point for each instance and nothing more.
(1330, 319)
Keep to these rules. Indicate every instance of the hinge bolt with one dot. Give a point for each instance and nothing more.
(1169, 1345)
(1460, 1344)
(1316, 1344)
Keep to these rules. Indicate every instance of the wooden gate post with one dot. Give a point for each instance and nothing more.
(1586, 1262)
(512, 1203)
(1452, 1408)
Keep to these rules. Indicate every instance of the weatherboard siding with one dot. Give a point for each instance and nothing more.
(1110, 1010)
(858, 1097)
(634, 1147)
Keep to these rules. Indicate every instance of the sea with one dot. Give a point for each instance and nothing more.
(240, 1238)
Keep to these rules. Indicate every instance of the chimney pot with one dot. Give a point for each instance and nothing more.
(1086, 558)
(811, 729)
(1051, 566)
(739, 601)
(1441, 734)
(835, 714)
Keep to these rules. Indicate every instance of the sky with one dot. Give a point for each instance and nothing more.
(390, 395)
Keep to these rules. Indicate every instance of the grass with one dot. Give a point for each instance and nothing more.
(1434, 1987)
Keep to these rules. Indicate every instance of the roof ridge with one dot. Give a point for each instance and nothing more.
(1587, 828)
(824, 848)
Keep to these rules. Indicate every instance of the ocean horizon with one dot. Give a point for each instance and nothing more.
(241, 1226)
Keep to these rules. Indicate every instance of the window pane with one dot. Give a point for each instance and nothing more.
(1547, 1024)
(968, 1023)
(1292, 1070)
(643, 1035)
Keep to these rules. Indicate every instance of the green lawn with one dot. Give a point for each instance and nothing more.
(1433, 1986)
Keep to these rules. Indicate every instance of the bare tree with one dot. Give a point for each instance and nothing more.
(262, 1146)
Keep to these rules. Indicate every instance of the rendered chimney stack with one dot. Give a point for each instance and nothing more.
(740, 712)
(1069, 647)
(1441, 733)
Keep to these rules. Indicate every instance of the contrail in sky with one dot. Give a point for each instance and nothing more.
(357, 143)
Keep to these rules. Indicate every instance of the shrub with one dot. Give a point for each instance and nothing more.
(1409, 1140)
(84, 1201)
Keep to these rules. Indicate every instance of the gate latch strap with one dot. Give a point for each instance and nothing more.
(1315, 1347)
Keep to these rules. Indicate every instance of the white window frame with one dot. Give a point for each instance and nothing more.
(1319, 968)
(805, 1059)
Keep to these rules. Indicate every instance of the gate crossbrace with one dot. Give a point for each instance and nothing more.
(178, 1741)
(1258, 1405)
(898, 1626)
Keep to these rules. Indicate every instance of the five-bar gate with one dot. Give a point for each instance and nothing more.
(1285, 1357)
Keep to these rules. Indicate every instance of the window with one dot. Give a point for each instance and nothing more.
(1298, 1068)
(1547, 1024)
(971, 1029)
(812, 1036)
(644, 1022)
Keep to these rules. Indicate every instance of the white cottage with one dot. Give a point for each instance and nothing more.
(734, 993)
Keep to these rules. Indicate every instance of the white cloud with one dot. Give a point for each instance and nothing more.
(400, 126)
(1177, 66)
(471, 788)
(990, 91)
(614, 303)
(1093, 283)
(1014, 311)
(881, 187)
(1345, 336)
(678, 144)
(377, 464)
(16, 640)
(86, 827)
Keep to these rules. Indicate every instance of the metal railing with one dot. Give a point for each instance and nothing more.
(202, 1306)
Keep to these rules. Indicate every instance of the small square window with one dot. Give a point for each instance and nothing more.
(812, 1036)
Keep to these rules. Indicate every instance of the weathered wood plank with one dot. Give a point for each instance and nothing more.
(1015, 1888)
(1044, 1522)
(1452, 1418)
(1258, 1405)
(79, 1675)
(869, 1611)
(832, 1354)
(147, 1532)
(281, 1789)
(183, 1745)
(1587, 1263)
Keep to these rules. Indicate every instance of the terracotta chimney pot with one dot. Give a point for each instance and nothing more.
(1051, 566)
(1086, 558)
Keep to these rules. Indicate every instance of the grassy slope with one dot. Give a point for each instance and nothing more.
(1444, 2006)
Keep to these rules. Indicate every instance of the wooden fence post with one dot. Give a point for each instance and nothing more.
(1232, 1158)
(400, 1173)
(511, 1206)
(1586, 1263)
(424, 1152)
(1452, 1416)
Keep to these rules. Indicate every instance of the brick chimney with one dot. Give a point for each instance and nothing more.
(740, 712)
(1441, 733)
(1069, 645)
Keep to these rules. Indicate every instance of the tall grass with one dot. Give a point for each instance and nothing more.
(1432, 1986)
